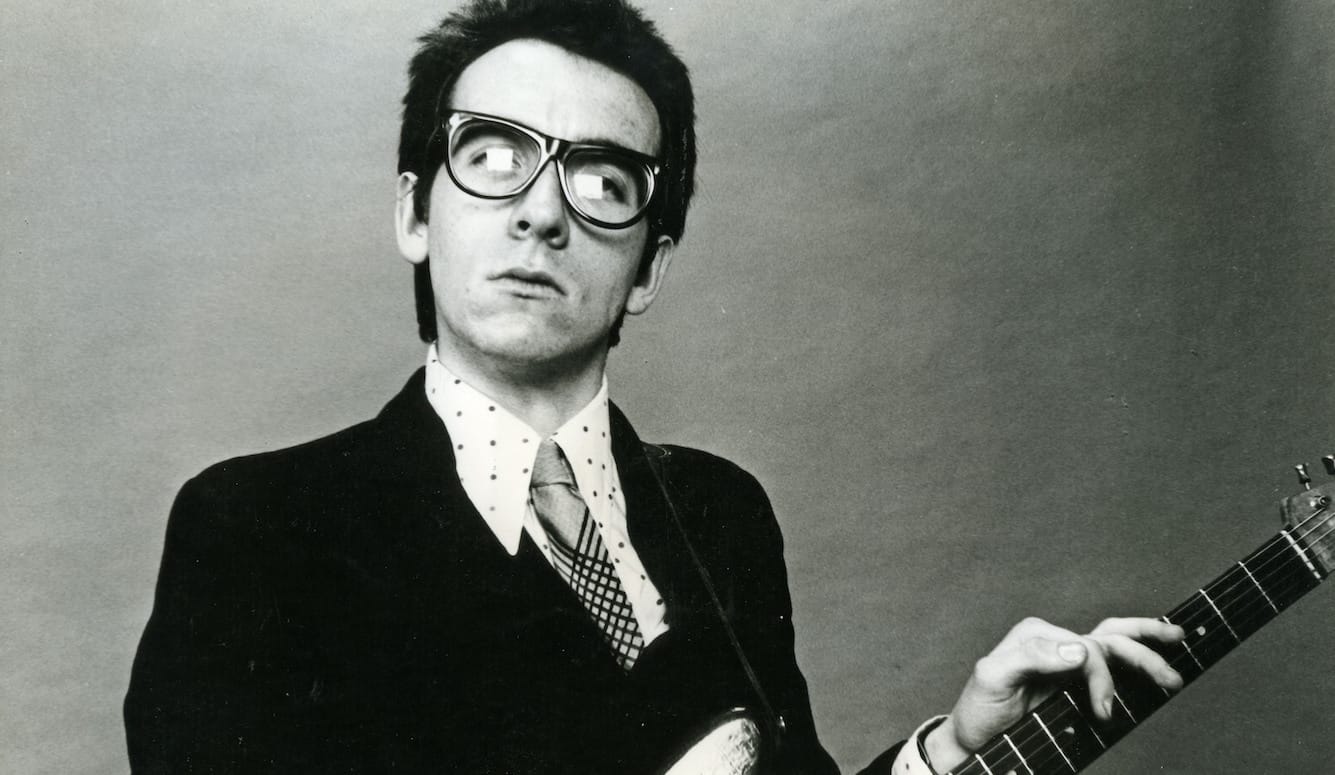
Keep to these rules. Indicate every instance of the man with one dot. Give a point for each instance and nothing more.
(495, 574)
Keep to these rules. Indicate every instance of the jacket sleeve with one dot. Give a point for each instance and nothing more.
(208, 691)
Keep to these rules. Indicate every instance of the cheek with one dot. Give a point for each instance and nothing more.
(456, 246)
(620, 262)
(606, 281)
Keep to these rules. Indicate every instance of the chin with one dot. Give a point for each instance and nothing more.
(523, 340)
(542, 349)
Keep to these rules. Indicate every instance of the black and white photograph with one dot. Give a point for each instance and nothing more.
(657, 386)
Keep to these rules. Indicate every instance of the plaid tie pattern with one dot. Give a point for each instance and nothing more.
(579, 554)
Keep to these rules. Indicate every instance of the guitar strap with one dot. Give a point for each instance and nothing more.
(657, 458)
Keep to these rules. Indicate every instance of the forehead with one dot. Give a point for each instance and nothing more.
(562, 94)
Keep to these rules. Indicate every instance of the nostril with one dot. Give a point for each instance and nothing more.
(523, 225)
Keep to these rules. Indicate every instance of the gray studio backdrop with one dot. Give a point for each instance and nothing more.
(1015, 307)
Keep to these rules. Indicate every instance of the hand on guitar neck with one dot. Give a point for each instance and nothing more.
(1040, 671)
(1043, 701)
(1030, 661)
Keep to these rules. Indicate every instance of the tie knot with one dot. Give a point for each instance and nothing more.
(551, 467)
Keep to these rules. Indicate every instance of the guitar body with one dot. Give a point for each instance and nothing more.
(729, 745)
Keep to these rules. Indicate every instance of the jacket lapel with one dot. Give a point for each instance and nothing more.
(651, 524)
(443, 533)
(451, 541)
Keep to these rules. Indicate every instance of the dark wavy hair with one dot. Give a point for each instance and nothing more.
(609, 32)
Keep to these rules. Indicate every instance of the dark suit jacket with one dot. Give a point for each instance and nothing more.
(341, 607)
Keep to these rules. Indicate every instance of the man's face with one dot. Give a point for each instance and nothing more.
(524, 282)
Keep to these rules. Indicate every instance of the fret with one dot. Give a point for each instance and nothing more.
(1054, 739)
(1090, 727)
(1306, 560)
(1070, 731)
(1220, 614)
(1018, 755)
(1106, 733)
(1188, 675)
(1055, 744)
(1135, 699)
(1061, 736)
(1258, 586)
(1186, 645)
(986, 768)
(1124, 708)
(999, 758)
(1241, 602)
(1206, 641)
(1283, 571)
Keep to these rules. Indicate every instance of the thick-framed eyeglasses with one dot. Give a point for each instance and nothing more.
(496, 158)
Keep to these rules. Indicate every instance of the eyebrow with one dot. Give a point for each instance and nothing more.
(598, 140)
(608, 143)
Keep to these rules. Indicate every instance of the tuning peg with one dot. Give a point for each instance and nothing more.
(1329, 462)
(1303, 478)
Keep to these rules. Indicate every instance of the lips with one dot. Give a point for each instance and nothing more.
(529, 282)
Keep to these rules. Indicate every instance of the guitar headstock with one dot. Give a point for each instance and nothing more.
(1309, 516)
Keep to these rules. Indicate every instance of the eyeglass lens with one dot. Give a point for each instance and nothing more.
(495, 160)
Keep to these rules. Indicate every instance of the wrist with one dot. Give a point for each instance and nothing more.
(941, 748)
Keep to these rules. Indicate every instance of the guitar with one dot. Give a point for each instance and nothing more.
(1059, 735)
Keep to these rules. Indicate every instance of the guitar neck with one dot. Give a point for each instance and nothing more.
(1060, 735)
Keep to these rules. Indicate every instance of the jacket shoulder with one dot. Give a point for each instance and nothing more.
(397, 442)
(369, 474)
(315, 463)
(701, 467)
(327, 450)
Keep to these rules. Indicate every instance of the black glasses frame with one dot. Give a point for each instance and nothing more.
(552, 148)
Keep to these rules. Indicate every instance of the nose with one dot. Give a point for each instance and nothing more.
(540, 211)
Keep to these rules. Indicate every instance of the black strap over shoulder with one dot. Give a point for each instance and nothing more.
(657, 457)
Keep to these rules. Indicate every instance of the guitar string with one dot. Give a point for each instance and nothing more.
(1046, 753)
(1253, 605)
(1278, 547)
(1036, 759)
(1290, 577)
(1279, 550)
(1276, 551)
(1041, 754)
(1298, 577)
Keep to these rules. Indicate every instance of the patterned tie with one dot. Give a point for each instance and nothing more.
(581, 558)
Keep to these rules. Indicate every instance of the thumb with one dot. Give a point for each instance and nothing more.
(1073, 653)
(1046, 656)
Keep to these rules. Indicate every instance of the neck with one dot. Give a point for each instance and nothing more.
(543, 395)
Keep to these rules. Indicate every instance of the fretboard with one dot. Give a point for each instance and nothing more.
(1061, 736)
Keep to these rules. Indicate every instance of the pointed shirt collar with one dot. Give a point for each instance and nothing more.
(494, 450)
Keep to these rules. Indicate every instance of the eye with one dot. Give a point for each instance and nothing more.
(495, 158)
(491, 150)
(602, 188)
(606, 178)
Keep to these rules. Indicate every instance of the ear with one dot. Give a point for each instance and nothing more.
(650, 279)
(408, 228)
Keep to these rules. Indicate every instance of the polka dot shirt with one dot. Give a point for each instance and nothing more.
(494, 452)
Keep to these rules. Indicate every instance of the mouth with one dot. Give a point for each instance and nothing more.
(528, 283)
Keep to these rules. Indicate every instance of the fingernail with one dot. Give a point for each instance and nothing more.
(1107, 708)
(1072, 652)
